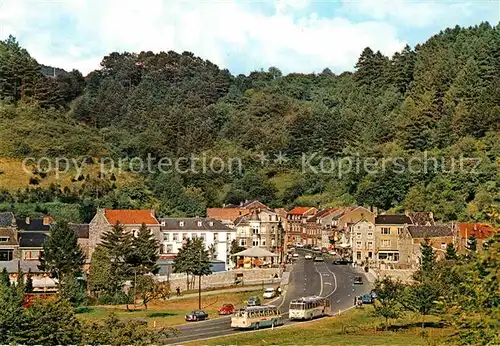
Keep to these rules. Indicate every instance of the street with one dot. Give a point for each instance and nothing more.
(307, 278)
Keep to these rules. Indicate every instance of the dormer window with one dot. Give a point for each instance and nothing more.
(181, 223)
(4, 239)
(199, 223)
(163, 223)
(211, 223)
(135, 232)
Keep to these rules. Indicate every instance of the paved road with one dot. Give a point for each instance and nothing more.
(306, 278)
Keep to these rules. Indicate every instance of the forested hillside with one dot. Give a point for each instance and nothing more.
(439, 99)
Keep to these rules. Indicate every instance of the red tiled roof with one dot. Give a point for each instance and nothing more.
(478, 230)
(299, 210)
(130, 217)
(223, 214)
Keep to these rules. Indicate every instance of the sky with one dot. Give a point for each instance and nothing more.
(241, 35)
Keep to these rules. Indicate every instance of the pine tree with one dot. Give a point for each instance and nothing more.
(5, 280)
(387, 303)
(428, 257)
(61, 253)
(144, 252)
(451, 253)
(118, 246)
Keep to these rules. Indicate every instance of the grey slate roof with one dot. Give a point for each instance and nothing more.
(191, 224)
(392, 219)
(32, 239)
(6, 219)
(430, 231)
(35, 225)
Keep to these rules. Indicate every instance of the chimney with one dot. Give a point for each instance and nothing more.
(46, 220)
(27, 220)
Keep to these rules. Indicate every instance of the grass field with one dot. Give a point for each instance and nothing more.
(14, 175)
(355, 327)
(169, 312)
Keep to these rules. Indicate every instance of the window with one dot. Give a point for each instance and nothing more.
(443, 246)
(396, 257)
(385, 230)
(184, 236)
(400, 230)
(263, 242)
(199, 223)
(5, 255)
(370, 244)
(386, 243)
(216, 238)
(211, 223)
(243, 242)
(370, 235)
(134, 233)
(358, 235)
(166, 237)
(4, 239)
(228, 236)
(255, 243)
(358, 255)
(163, 223)
(358, 244)
(181, 223)
(170, 248)
(359, 227)
(370, 255)
(175, 237)
(369, 226)
(204, 237)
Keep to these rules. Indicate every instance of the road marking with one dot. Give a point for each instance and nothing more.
(321, 279)
(334, 278)
(328, 283)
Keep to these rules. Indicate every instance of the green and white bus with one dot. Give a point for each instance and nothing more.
(255, 317)
(307, 308)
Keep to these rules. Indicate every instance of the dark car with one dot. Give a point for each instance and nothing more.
(341, 261)
(358, 280)
(253, 301)
(226, 309)
(373, 294)
(196, 315)
(367, 299)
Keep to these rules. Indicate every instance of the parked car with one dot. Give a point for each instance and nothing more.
(269, 293)
(332, 252)
(295, 255)
(299, 245)
(318, 259)
(226, 309)
(196, 315)
(307, 257)
(358, 280)
(374, 294)
(340, 261)
(253, 301)
(317, 248)
(367, 299)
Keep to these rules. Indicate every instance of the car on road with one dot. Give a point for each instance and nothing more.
(367, 299)
(299, 245)
(269, 293)
(358, 280)
(295, 255)
(340, 261)
(253, 301)
(318, 259)
(317, 248)
(374, 294)
(332, 252)
(307, 257)
(196, 315)
(226, 309)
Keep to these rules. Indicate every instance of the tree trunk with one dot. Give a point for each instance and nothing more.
(386, 323)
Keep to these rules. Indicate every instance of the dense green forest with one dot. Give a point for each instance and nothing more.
(438, 99)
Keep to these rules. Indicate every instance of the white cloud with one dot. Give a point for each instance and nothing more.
(231, 34)
(426, 12)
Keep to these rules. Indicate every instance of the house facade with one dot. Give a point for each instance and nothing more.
(130, 220)
(9, 246)
(363, 242)
(296, 222)
(388, 231)
(229, 213)
(262, 228)
(31, 234)
(216, 236)
(466, 230)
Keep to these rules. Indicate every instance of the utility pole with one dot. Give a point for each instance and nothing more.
(199, 284)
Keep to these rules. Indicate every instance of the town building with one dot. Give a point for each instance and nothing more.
(130, 220)
(480, 232)
(363, 243)
(388, 229)
(230, 212)
(31, 234)
(262, 228)
(413, 236)
(216, 236)
(296, 222)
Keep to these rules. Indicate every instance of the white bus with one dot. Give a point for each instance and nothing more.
(307, 308)
(256, 317)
